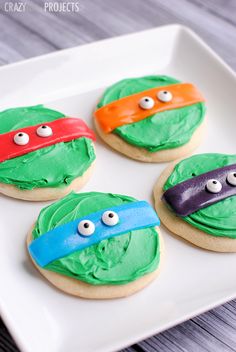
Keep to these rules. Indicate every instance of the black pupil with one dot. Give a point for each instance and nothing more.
(146, 99)
(235, 174)
(165, 92)
(44, 126)
(215, 182)
(86, 225)
(110, 215)
(20, 134)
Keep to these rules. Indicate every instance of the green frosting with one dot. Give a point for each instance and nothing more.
(114, 261)
(53, 166)
(163, 130)
(218, 219)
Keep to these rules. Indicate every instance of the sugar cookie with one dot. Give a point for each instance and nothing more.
(196, 199)
(152, 118)
(43, 154)
(97, 245)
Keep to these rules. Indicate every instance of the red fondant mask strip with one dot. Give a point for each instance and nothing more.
(63, 130)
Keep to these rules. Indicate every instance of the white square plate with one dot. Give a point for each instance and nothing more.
(192, 280)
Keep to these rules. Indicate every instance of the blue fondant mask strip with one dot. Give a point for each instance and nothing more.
(65, 239)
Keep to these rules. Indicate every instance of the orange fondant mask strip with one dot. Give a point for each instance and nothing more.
(127, 110)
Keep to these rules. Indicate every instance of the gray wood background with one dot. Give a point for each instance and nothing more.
(36, 32)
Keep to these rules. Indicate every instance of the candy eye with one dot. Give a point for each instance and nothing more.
(231, 178)
(213, 186)
(86, 227)
(110, 218)
(44, 131)
(164, 96)
(21, 138)
(146, 103)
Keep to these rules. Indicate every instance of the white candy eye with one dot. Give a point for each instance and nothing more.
(231, 178)
(21, 138)
(164, 95)
(86, 227)
(44, 131)
(214, 186)
(110, 218)
(146, 103)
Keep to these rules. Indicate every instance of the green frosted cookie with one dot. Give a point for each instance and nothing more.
(159, 136)
(207, 200)
(118, 262)
(47, 172)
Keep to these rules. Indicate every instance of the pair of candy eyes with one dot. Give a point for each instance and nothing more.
(87, 227)
(215, 186)
(22, 138)
(147, 102)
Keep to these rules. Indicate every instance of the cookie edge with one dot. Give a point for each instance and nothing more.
(47, 193)
(142, 154)
(82, 289)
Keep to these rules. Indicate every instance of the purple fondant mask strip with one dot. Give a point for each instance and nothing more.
(192, 195)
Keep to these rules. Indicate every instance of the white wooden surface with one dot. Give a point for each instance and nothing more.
(36, 32)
